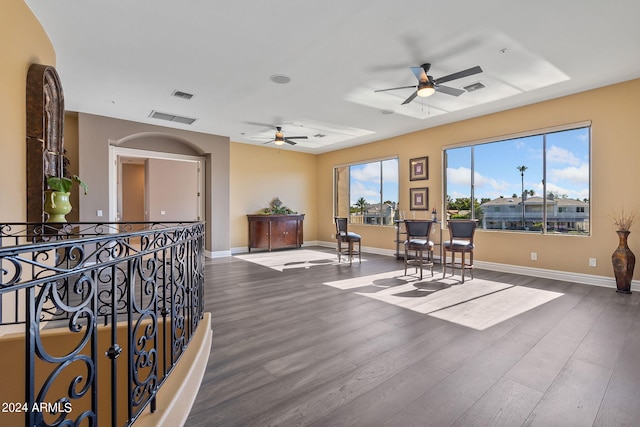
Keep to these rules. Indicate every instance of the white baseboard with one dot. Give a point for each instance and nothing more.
(217, 254)
(565, 276)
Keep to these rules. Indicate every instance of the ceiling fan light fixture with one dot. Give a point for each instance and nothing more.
(279, 140)
(425, 89)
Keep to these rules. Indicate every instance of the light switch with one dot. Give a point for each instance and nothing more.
(99, 212)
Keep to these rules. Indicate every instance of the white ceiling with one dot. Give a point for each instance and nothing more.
(123, 59)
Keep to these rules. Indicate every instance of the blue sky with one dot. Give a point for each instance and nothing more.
(365, 181)
(496, 164)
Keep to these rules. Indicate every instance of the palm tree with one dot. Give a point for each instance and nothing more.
(522, 169)
(361, 203)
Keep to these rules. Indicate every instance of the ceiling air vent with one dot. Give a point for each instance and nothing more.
(182, 95)
(171, 117)
(474, 87)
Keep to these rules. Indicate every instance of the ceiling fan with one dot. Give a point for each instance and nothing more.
(427, 85)
(280, 139)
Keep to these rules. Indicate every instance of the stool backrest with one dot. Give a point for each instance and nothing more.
(417, 228)
(461, 229)
(341, 226)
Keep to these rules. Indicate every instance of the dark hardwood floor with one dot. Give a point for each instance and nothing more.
(289, 350)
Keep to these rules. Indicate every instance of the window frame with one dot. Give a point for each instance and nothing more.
(543, 132)
(380, 160)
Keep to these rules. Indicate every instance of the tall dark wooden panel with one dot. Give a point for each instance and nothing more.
(45, 135)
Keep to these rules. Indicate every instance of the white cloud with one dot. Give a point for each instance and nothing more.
(390, 171)
(482, 182)
(459, 176)
(368, 173)
(572, 193)
(575, 175)
(360, 189)
(560, 155)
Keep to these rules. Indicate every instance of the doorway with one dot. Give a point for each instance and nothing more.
(155, 187)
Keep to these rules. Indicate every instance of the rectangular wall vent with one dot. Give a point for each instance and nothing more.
(183, 95)
(171, 117)
(474, 86)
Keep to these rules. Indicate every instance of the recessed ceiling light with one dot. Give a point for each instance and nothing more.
(505, 50)
(386, 111)
(281, 79)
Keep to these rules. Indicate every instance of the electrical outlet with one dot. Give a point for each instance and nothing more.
(99, 212)
(592, 262)
(534, 256)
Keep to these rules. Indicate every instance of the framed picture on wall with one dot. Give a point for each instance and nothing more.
(419, 168)
(419, 199)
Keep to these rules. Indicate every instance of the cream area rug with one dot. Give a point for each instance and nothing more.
(299, 258)
(477, 303)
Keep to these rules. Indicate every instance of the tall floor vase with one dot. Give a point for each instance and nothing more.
(624, 262)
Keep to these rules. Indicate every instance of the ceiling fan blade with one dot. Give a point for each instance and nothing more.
(296, 137)
(259, 124)
(396, 88)
(420, 74)
(409, 99)
(459, 75)
(268, 142)
(289, 142)
(449, 90)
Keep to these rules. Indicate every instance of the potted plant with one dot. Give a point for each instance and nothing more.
(276, 208)
(623, 259)
(56, 202)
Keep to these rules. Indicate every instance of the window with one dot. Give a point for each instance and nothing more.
(367, 193)
(537, 183)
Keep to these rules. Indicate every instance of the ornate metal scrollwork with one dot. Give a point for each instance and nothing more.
(82, 285)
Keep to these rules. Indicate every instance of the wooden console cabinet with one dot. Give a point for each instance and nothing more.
(275, 231)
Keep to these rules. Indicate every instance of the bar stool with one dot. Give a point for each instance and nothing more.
(460, 241)
(344, 236)
(418, 241)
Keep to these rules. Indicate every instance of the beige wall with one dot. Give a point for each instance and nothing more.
(615, 152)
(258, 174)
(24, 42)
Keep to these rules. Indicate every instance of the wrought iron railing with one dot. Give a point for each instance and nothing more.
(100, 313)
